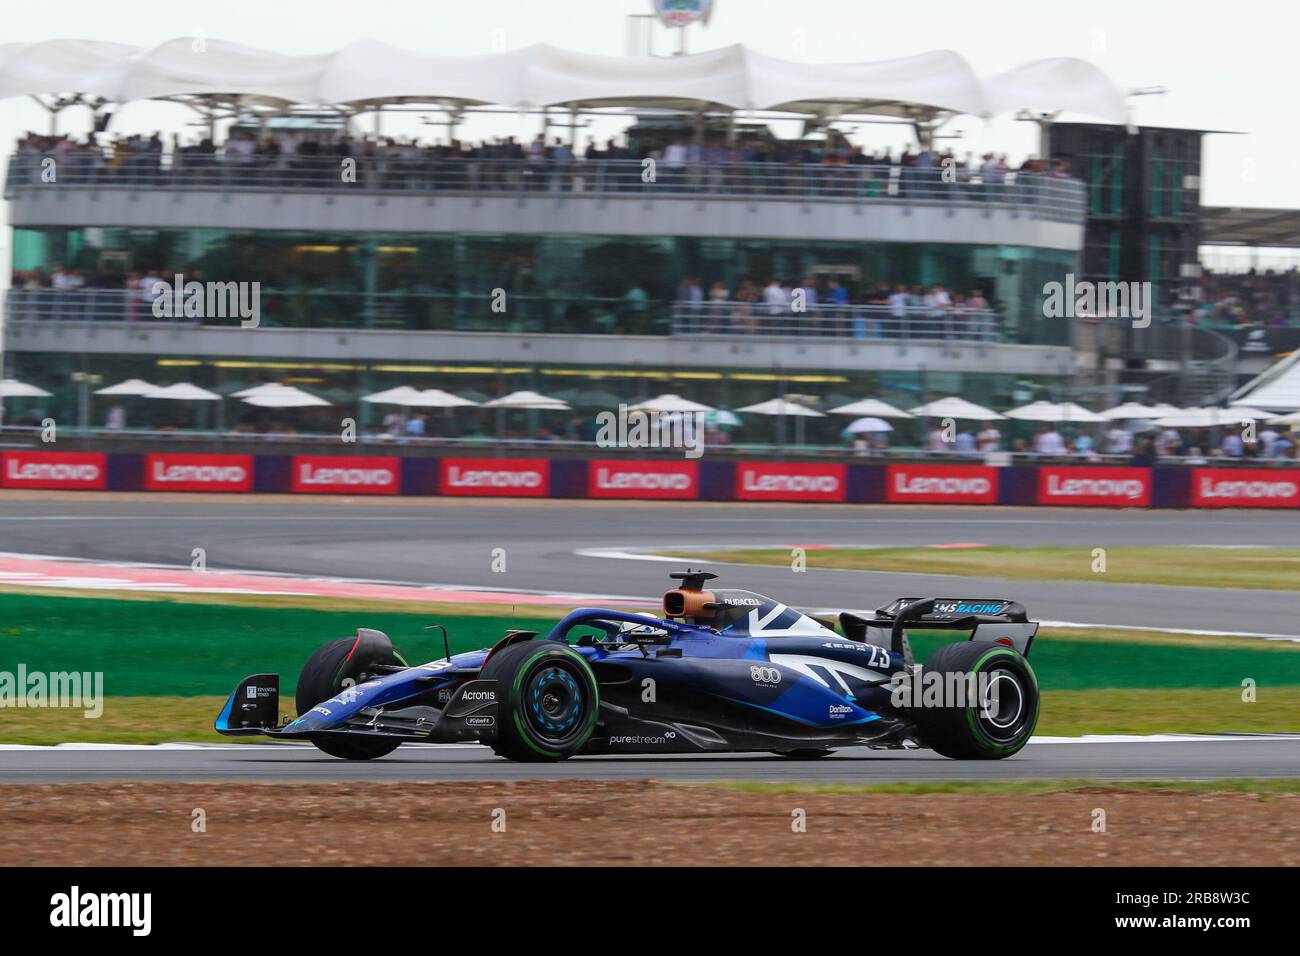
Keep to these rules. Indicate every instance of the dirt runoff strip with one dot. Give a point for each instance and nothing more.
(537, 823)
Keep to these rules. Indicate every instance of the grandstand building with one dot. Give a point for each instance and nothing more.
(624, 273)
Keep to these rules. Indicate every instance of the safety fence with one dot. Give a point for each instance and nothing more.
(631, 478)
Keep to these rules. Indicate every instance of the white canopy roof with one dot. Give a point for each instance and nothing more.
(1277, 388)
(1058, 83)
(1136, 410)
(132, 386)
(12, 388)
(1211, 417)
(735, 77)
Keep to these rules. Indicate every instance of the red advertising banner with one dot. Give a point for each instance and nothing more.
(198, 472)
(346, 474)
(87, 470)
(500, 477)
(607, 478)
(1085, 485)
(1245, 488)
(942, 484)
(794, 481)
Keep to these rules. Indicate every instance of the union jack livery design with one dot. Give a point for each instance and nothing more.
(720, 670)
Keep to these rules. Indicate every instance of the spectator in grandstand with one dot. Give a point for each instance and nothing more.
(1232, 445)
(964, 443)
(776, 297)
(1119, 440)
(1168, 443)
(989, 439)
(1048, 441)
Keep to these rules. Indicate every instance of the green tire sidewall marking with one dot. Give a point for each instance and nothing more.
(514, 693)
(983, 738)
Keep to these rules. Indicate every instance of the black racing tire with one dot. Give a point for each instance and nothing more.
(803, 753)
(547, 700)
(326, 673)
(969, 728)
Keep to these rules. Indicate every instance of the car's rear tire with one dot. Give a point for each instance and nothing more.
(547, 700)
(332, 667)
(994, 715)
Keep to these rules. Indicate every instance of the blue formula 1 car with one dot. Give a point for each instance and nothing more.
(721, 671)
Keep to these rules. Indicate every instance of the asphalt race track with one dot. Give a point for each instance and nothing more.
(451, 542)
(548, 549)
(1214, 758)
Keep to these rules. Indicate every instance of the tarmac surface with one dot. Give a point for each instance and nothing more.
(1152, 758)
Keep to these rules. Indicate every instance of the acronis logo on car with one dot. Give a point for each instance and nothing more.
(963, 607)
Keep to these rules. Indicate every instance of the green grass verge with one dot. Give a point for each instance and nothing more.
(1275, 569)
(1291, 785)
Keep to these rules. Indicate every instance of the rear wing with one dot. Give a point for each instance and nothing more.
(988, 619)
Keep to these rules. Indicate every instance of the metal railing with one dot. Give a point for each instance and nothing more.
(855, 322)
(586, 315)
(395, 311)
(1043, 195)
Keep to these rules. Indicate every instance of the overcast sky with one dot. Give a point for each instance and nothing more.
(1227, 66)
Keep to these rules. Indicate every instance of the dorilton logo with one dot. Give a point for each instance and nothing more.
(75, 908)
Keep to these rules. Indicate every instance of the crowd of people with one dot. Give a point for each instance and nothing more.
(827, 305)
(704, 163)
(1089, 443)
(1268, 298)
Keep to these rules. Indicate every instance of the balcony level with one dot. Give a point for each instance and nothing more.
(540, 332)
(849, 203)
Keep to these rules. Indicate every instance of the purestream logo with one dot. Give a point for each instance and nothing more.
(638, 429)
(73, 690)
(76, 909)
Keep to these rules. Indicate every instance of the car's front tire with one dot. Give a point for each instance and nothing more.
(332, 667)
(994, 714)
(547, 701)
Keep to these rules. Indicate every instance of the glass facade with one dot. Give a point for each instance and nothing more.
(368, 279)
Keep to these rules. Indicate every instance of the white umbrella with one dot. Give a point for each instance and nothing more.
(184, 392)
(132, 386)
(779, 406)
(12, 388)
(873, 407)
(869, 426)
(526, 399)
(436, 398)
(1291, 419)
(391, 396)
(284, 396)
(1054, 412)
(1210, 417)
(955, 408)
(670, 403)
(1134, 410)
